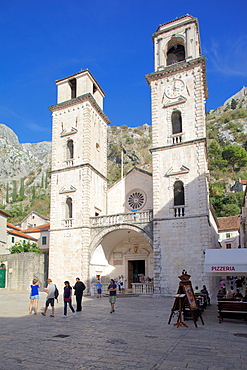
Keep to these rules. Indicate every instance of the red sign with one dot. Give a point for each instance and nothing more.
(223, 268)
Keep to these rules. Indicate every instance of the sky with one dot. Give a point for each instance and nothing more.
(45, 40)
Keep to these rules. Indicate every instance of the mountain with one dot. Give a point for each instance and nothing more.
(27, 165)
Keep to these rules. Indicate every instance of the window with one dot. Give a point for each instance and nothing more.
(43, 240)
(136, 199)
(68, 211)
(175, 54)
(70, 149)
(228, 246)
(72, 84)
(178, 193)
(176, 122)
(228, 235)
(12, 239)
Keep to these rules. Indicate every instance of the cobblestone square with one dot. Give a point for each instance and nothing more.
(136, 336)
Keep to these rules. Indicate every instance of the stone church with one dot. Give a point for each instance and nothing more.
(153, 225)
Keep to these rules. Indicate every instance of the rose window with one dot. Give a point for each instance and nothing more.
(136, 200)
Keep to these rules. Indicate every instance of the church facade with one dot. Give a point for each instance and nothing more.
(153, 225)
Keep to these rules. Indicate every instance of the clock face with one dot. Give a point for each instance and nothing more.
(174, 89)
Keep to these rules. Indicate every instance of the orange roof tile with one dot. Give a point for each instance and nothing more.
(21, 234)
(45, 227)
(228, 223)
(13, 226)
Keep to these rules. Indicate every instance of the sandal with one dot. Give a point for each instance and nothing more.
(51, 316)
(42, 313)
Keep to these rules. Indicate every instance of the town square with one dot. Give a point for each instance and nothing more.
(124, 247)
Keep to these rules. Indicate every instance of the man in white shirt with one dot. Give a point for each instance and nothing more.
(50, 290)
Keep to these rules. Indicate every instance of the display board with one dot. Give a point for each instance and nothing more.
(185, 295)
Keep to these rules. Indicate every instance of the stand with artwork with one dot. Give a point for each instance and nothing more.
(185, 295)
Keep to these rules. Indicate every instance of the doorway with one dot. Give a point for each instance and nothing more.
(135, 269)
(2, 277)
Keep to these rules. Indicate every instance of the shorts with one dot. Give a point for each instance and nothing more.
(112, 299)
(34, 296)
(49, 301)
(99, 290)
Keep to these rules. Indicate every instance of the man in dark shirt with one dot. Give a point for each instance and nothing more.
(79, 288)
(112, 289)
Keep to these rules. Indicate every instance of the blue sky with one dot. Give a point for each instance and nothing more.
(45, 40)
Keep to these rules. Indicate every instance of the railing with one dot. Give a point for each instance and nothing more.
(178, 211)
(121, 218)
(68, 222)
(69, 162)
(137, 288)
(176, 138)
(142, 288)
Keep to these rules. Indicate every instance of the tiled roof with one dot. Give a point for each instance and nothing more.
(4, 213)
(228, 223)
(45, 227)
(38, 214)
(13, 226)
(244, 182)
(21, 234)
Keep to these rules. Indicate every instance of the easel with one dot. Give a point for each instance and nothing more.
(180, 298)
(185, 293)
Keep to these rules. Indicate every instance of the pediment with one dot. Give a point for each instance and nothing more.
(177, 171)
(181, 99)
(67, 189)
(66, 133)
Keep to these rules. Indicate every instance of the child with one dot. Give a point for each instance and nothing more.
(99, 289)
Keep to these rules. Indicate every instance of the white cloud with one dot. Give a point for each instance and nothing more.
(228, 58)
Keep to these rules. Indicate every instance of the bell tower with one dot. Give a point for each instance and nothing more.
(182, 228)
(78, 174)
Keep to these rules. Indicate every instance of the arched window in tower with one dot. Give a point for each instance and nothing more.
(70, 149)
(178, 199)
(176, 51)
(176, 122)
(68, 209)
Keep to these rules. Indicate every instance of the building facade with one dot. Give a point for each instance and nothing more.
(146, 225)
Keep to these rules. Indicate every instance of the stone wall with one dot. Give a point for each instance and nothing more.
(22, 268)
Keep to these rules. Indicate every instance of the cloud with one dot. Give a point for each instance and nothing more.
(229, 57)
(16, 118)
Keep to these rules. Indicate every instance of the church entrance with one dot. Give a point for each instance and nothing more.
(135, 269)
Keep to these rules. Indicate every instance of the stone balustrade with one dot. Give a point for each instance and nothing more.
(175, 139)
(69, 162)
(122, 218)
(142, 288)
(178, 211)
(68, 222)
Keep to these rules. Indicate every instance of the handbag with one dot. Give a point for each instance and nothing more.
(66, 299)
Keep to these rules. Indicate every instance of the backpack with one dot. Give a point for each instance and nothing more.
(56, 293)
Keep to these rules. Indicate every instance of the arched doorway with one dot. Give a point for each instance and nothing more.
(124, 251)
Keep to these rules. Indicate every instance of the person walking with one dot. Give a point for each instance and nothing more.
(67, 299)
(50, 298)
(112, 289)
(79, 288)
(34, 296)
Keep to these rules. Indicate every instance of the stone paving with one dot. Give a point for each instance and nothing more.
(136, 336)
